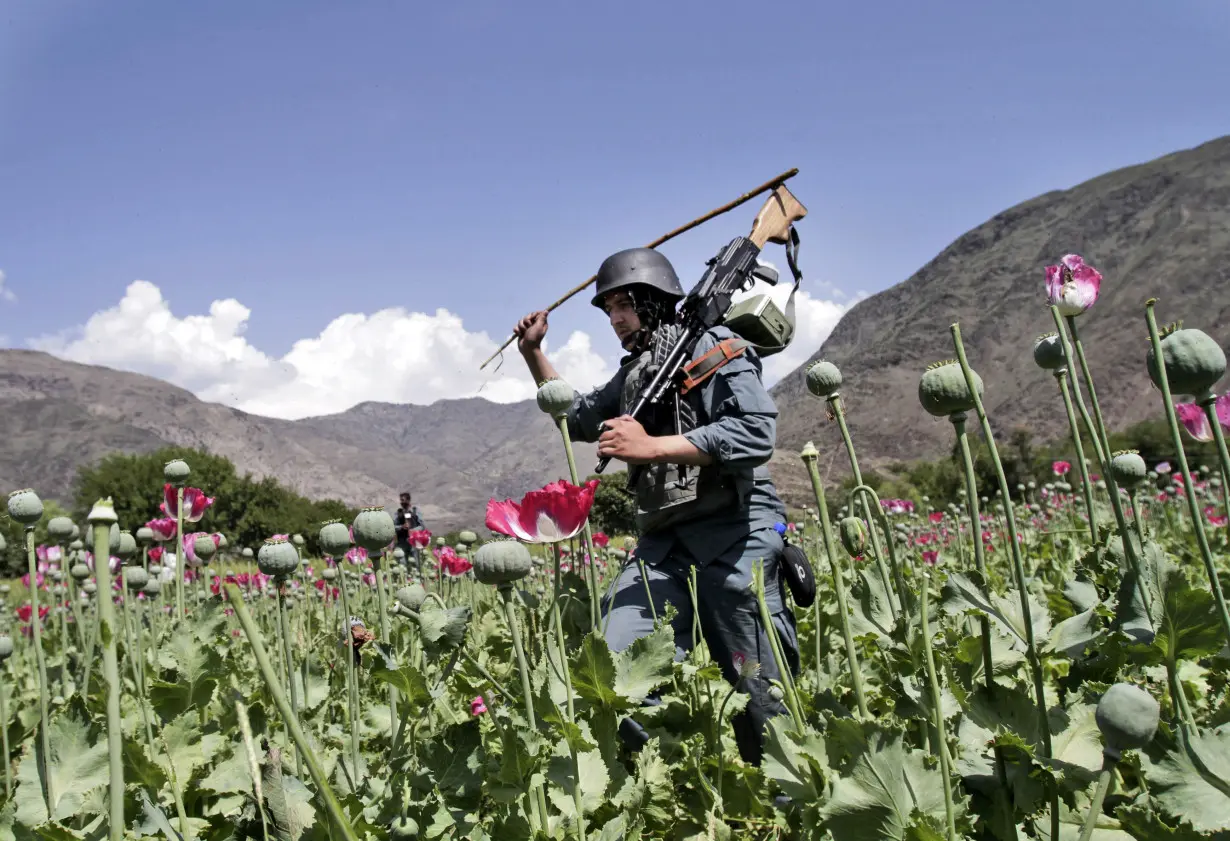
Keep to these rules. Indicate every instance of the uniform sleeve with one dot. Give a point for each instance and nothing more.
(742, 427)
(588, 411)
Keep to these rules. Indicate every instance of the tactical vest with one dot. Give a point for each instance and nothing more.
(668, 494)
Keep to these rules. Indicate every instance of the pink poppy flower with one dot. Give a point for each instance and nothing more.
(555, 513)
(1061, 468)
(1194, 420)
(478, 706)
(195, 503)
(1072, 286)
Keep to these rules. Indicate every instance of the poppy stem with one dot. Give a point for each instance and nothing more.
(1061, 377)
(839, 585)
(1018, 569)
(1202, 540)
(591, 571)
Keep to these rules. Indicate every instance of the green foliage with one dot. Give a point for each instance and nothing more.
(13, 560)
(614, 510)
(246, 510)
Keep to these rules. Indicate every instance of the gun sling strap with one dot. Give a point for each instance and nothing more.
(704, 367)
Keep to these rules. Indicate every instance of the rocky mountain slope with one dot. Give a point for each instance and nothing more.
(1161, 229)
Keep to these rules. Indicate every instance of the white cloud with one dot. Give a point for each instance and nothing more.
(392, 355)
(6, 294)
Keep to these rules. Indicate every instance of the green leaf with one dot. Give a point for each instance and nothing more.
(288, 803)
(645, 665)
(885, 790)
(796, 763)
(648, 793)
(873, 613)
(1073, 636)
(593, 672)
(198, 668)
(154, 820)
(1194, 786)
(232, 775)
(963, 593)
(180, 749)
(408, 681)
(592, 779)
(75, 767)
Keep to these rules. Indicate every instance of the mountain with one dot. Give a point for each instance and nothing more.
(453, 455)
(1161, 229)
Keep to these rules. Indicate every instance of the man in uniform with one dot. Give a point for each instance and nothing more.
(705, 498)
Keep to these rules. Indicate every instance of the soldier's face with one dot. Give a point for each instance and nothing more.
(624, 320)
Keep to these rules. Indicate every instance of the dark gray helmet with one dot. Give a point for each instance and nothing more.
(637, 267)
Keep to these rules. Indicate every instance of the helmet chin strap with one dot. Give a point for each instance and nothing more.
(650, 312)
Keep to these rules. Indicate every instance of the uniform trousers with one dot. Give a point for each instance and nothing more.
(729, 618)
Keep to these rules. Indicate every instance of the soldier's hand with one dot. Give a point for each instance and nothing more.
(626, 440)
(531, 330)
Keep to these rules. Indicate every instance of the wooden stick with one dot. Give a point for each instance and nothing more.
(768, 185)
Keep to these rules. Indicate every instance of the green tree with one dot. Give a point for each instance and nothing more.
(13, 560)
(614, 510)
(246, 510)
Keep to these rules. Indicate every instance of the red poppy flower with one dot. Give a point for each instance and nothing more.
(550, 515)
(601, 540)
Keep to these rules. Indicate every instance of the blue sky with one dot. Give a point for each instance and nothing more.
(330, 202)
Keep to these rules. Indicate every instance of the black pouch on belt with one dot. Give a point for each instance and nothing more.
(796, 569)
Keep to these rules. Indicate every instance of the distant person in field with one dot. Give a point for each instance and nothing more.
(705, 500)
(406, 520)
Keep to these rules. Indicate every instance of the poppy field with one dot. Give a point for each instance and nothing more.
(1044, 661)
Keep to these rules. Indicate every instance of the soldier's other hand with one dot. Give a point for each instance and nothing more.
(626, 440)
(531, 330)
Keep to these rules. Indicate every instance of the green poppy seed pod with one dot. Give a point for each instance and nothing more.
(76, 532)
(776, 693)
(399, 554)
(102, 514)
(152, 587)
(467, 537)
(328, 573)
(25, 507)
(246, 553)
(6, 647)
(334, 539)
(113, 539)
(404, 828)
(145, 536)
(60, 529)
(297, 539)
(1048, 352)
(621, 554)
(176, 472)
(135, 579)
(1127, 716)
(823, 379)
(809, 451)
(943, 392)
(3, 543)
(501, 562)
(374, 529)
(79, 572)
(127, 546)
(555, 398)
(1194, 362)
(155, 569)
(222, 542)
(412, 596)
(76, 546)
(277, 557)
(89, 588)
(205, 548)
(853, 535)
(439, 541)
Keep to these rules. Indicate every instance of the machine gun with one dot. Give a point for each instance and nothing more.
(733, 270)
